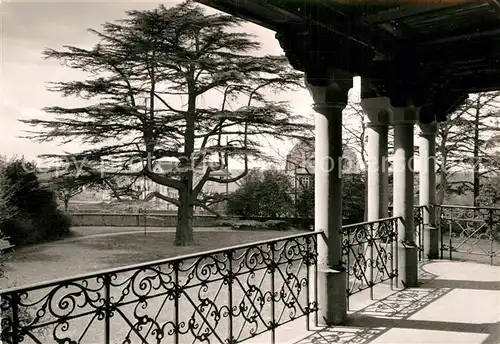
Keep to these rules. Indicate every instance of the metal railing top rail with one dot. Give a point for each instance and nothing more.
(55, 282)
(470, 207)
(140, 213)
(354, 225)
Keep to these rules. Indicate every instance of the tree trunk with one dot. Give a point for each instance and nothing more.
(442, 189)
(66, 205)
(185, 211)
(184, 231)
(476, 181)
(443, 177)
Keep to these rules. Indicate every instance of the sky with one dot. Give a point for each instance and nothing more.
(28, 27)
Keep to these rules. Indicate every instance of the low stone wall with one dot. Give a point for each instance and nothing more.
(161, 220)
(136, 220)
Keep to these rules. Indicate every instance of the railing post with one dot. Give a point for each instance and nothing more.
(273, 291)
(230, 281)
(176, 301)
(308, 283)
(395, 248)
(107, 307)
(348, 265)
(420, 224)
(450, 232)
(15, 318)
(441, 233)
(492, 237)
(391, 244)
(316, 288)
(371, 264)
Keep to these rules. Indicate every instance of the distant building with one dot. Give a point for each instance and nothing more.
(145, 186)
(300, 163)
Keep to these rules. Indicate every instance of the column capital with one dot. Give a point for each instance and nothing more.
(405, 115)
(331, 93)
(429, 129)
(378, 111)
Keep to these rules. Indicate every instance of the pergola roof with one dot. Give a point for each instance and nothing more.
(439, 51)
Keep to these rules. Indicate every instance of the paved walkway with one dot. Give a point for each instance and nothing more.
(99, 232)
(458, 302)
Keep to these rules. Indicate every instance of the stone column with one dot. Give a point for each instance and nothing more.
(427, 184)
(407, 257)
(330, 99)
(377, 111)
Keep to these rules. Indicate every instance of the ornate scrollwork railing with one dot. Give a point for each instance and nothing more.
(224, 296)
(418, 221)
(369, 254)
(470, 231)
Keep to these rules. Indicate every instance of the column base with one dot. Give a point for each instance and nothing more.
(407, 265)
(332, 296)
(431, 242)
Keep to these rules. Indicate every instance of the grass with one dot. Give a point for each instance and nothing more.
(61, 259)
(138, 248)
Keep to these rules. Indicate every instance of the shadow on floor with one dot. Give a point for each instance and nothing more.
(461, 284)
(393, 312)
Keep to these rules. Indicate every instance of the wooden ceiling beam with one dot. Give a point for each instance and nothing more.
(495, 4)
(464, 37)
(255, 11)
(402, 11)
(328, 19)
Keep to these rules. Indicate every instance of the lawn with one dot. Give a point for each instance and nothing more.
(82, 254)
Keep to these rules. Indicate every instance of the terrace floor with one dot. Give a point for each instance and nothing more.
(457, 302)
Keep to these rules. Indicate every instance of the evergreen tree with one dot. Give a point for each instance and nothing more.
(149, 77)
(467, 141)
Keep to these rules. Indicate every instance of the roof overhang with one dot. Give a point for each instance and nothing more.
(433, 45)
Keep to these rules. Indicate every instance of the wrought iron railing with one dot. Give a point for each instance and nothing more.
(470, 231)
(418, 222)
(370, 254)
(225, 296)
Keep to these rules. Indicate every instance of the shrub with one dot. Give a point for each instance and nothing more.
(263, 194)
(277, 225)
(353, 200)
(35, 216)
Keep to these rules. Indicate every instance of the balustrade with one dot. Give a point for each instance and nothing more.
(226, 296)
(470, 232)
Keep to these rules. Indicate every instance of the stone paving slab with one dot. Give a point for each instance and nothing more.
(458, 302)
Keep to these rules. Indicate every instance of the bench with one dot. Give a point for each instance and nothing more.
(5, 246)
